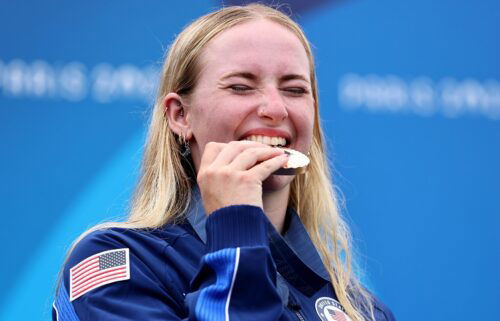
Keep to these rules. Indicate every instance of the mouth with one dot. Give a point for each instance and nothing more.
(274, 141)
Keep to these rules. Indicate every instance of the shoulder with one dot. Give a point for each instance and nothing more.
(141, 243)
(135, 265)
(108, 239)
(137, 256)
(382, 312)
(111, 247)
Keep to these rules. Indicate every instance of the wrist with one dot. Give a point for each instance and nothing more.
(236, 226)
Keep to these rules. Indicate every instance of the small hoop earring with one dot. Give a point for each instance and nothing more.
(185, 148)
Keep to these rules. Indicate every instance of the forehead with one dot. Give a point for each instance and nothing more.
(258, 45)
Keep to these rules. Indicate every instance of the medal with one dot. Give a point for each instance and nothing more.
(297, 163)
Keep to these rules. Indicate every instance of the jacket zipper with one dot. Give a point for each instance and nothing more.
(295, 307)
(299, 316)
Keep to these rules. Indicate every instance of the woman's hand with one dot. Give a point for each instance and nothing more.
(232, 173)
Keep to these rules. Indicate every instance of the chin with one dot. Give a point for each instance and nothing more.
(276, 183)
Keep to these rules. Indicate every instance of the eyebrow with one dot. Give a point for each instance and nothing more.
(241, 74)
(293, 77)
(251, 76)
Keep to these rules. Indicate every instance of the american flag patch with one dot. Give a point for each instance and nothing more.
(99, 269)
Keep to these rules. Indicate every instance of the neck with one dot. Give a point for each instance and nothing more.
(275, 205)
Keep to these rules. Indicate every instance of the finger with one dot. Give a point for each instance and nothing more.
(233, 149)
(266, 168)
(212, 150)
(251, 156)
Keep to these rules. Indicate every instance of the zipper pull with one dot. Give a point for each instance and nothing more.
(295, 307)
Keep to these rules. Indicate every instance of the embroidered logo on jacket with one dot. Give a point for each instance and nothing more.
(329, 309)
(99, 269)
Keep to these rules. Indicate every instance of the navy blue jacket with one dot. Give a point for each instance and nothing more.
(232, 265)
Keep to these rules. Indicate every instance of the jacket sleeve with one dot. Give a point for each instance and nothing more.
(86, 293)
(236, 279)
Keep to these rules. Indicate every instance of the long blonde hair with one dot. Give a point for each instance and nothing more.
(164, 190)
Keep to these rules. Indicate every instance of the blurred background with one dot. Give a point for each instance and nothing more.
(410, 102)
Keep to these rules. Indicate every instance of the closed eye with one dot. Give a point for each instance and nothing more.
(240, 88)
(296, 91)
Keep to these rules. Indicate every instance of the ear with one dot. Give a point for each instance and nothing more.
(177, 115)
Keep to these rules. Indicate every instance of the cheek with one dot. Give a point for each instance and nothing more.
(309, 132)
(304, 122)
(310, 117)
(216, 122)
(309, 120)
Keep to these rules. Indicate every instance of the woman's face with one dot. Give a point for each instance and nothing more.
(254, 84)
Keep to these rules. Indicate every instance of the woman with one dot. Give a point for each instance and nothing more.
(213, 234)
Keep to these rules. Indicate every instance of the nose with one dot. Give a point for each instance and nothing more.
(273, 107)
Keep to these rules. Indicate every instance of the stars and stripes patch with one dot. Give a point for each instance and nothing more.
(99, 269)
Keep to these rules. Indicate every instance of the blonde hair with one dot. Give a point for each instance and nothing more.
(164, 190)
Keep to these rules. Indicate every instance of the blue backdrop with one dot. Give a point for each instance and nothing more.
(410, 100)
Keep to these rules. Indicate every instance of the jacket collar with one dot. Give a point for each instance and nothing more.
(294, 254)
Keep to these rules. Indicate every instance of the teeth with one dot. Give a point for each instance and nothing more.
(271, 141)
